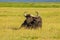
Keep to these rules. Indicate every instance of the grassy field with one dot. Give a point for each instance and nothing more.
(11, 17)
(31, 4)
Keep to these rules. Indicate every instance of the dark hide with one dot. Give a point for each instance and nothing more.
(32, 22)
(37, 22)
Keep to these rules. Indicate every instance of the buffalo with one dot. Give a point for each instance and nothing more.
(32, 21)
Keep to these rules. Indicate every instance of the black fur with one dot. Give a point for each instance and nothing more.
(32, 22)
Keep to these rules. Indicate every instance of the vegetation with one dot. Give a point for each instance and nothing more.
(11, 18)
(32, 4)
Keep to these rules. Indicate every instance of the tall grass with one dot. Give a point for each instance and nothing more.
(15, 17)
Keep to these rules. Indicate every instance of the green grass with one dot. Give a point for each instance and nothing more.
(32, 4)
(11, 17)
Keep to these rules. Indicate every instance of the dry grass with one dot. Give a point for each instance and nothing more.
(11, 17)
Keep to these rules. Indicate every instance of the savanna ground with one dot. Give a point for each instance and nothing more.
(31, 4)
(11, 17)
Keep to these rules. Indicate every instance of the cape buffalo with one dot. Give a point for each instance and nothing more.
(32, 21)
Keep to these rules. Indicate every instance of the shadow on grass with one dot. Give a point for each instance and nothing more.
(18, 28)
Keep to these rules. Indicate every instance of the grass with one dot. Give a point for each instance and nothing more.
(11, 17)
(32, 4)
